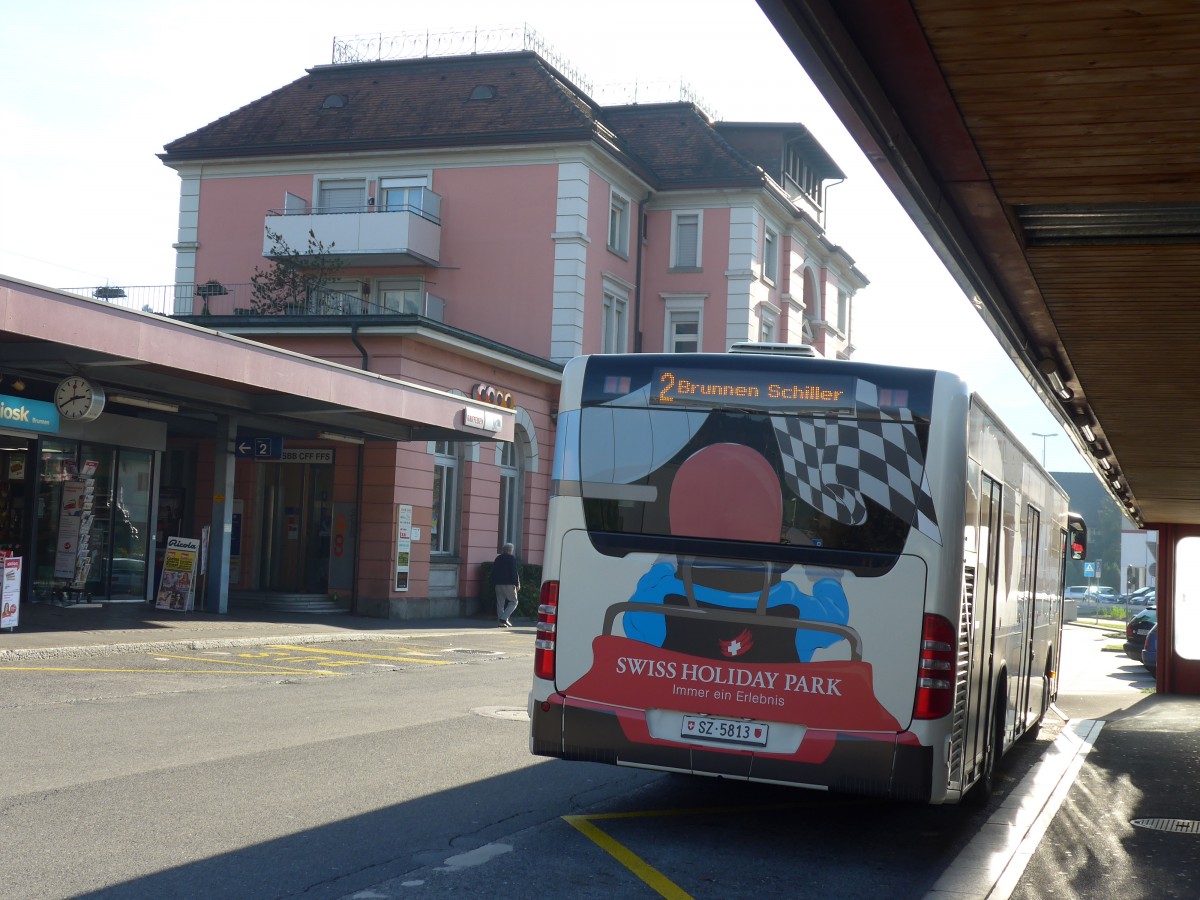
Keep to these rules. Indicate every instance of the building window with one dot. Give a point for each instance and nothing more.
(510, 495)
(843, 314)
(683, 331)
(618, 224)
(401, 194)
(443, 530)
(400, 295)
(767, 327)
(802, 177)
(342, 195)
(614, 334)
(685, 240)
(770, 262)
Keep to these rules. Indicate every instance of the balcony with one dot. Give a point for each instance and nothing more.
(212, 298)
(403, 236)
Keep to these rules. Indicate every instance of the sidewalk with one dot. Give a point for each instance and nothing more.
(48, 631)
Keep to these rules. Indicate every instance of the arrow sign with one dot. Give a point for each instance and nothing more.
(259, 448)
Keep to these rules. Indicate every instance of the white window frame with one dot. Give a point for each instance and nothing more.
(676, 215)
(682, 308)
(768, 325)
(509, 460)
(843, 314)
(359, 184)
(413, 288)
(614, 322)
(620, 209)
(770, 260)
(444, 516)
(408, 185)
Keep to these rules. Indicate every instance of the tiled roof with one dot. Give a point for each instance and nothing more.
(679, 145)
(406, 104)
(411, 104)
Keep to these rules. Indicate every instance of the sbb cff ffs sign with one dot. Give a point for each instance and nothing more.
(487, 393)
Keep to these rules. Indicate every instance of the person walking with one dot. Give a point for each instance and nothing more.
(507, 581)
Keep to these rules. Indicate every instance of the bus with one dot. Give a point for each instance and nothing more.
(773, 567)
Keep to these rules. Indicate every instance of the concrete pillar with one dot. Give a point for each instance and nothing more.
(217, 579)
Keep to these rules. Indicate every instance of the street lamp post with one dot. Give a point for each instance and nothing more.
(1043, 437)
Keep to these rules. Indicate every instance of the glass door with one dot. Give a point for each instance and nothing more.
(296, 517)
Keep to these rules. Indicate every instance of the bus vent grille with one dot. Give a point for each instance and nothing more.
(962, 677)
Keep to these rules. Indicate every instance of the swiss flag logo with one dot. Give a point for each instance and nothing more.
(739, 646)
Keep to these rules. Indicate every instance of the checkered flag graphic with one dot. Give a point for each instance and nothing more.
(833, 463)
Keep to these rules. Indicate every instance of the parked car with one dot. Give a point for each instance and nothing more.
(1150, 650)
(1103, 594)
(1136, 630)
(1147, 596)
(1076, 592)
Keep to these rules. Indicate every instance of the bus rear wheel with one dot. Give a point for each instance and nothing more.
(981, 791)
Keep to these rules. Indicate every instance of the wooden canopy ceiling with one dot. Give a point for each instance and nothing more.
(1050, 151)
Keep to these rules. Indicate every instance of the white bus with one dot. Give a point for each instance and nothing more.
(802, 571)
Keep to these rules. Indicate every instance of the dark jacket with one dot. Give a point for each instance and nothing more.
(504, 570)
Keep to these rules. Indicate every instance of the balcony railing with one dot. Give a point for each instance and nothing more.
(215, 299)
(401, 234)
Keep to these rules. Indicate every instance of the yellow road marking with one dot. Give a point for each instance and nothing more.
(634, 863)
(139, 671)
(268, 669)
(424, 662)
(411, 650)
(630, 860)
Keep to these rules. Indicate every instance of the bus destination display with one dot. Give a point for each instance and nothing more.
(768, 390)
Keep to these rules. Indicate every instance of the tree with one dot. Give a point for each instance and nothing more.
(294, 278)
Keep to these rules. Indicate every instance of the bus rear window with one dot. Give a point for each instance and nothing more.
(845, 482)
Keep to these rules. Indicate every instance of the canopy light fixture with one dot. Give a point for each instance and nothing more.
(1084, 423)
(344, 438)
(1104, 464)
(144, 402)
(1048, 366)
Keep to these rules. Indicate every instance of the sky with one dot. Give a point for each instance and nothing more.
(93, 92)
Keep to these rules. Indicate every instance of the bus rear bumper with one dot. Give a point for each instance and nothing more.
(891, 765)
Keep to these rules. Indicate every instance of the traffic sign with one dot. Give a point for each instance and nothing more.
(259, 448)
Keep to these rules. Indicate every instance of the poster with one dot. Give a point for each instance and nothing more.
(177, 586)
(69, 522)
(10, 595)
(403, 544)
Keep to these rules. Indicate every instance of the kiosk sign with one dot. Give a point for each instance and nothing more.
(177, 586)
(10, 596)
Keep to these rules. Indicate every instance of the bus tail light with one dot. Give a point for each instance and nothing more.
(547, 627)
(935, 675)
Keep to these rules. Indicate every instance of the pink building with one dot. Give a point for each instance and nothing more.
(484, 221)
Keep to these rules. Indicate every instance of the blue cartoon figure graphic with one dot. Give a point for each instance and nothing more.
(732, 609)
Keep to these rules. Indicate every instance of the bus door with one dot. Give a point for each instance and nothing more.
(1019, 688)
(983, 626)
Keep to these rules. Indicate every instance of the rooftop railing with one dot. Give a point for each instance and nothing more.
(213, 298)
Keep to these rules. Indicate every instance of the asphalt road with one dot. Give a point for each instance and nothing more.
(377, 770)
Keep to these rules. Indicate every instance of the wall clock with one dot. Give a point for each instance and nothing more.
(78, 399)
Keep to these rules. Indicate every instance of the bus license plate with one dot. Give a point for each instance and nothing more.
(724, 731)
